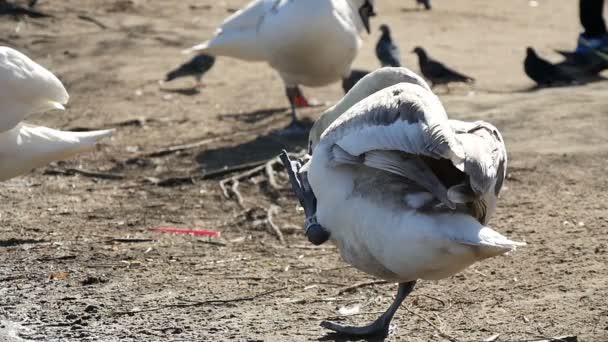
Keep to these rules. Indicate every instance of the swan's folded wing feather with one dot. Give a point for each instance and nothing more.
(405, 117)
(373, 82)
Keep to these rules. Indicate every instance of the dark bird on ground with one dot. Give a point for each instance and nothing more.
(543, 72)
(436, 72)
(196, 67)
(425, 3)
(386, 50)
(9, 8)
(353, 78)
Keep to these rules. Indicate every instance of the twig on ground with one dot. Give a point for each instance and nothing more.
(235, 191)
(179, 148)
(92, 20)
(566, 338)
(85, 173)
(360, 285)
(438, 329)
(204, 302)
(270, 174)
(231, 169)
(275, 229)
(266, 166)
(127, 240)
(431, 297)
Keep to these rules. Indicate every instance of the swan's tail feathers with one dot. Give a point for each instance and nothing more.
(196, 48)
(244, 45)
(91, 138)
(491, 243)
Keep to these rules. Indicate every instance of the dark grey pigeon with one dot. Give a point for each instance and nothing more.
(9, 8)
(543, 72)
(436, 72)
(386, 50)
(352, 79)
(425, 3)
(196, 67)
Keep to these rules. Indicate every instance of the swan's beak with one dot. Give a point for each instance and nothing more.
(366, 11)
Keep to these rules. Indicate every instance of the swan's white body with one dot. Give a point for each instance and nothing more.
(26, 88)
(386, 210)
(309, 42)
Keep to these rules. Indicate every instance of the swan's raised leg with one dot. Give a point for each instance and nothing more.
(299, 183)
(380, 327)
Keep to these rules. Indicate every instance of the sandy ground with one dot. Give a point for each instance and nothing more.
(78, 258)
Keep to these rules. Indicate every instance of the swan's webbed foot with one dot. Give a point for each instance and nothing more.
(381, 326)
(299, 183)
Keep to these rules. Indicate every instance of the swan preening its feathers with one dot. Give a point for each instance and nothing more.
(404, 192)
(309, 42)
(27, 88)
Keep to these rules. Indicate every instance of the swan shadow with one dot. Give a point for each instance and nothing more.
(182, 91)
(341, 338)
(257, 150)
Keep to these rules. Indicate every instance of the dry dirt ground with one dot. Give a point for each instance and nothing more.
(78, 258)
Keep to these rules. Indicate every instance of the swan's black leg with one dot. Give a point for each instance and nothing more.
(380, 326)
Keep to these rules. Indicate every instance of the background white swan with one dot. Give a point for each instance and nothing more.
(26, 88)
(309, 42)
(404, 192)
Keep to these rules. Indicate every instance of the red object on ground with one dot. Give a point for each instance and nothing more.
(188, 231)
(301, 102)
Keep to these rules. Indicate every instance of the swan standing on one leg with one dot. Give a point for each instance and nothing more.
(404, 192)
(309, 42)
(26, 88)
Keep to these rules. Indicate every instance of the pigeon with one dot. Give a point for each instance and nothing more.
(196, 67)
(9, 8)
(436, 72)
(543, 72)
(425, 3)
(353, 78)
(386, 50)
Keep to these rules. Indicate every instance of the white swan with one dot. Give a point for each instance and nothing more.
(26, 88)
(309, 42)
(402, 191)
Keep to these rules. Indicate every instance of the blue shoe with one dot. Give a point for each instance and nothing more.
(598, 46)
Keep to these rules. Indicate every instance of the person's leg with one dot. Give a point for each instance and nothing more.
(593, 42)
(591, 15)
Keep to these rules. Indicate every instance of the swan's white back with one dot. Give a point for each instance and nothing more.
(310, 42)
(26, 88)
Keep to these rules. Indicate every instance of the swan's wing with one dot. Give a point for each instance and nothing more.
(238, 35)
(394, 130)
(405, 117)
(249, 17)
(25, 87)
(368, 85)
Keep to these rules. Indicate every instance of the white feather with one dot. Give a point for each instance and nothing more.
(25, 88)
